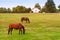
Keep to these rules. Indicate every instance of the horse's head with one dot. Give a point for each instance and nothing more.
(22, 28)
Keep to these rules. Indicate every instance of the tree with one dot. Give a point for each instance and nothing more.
(8, 10)
(37, 6)
(43, 9)
(27, 10)
(14, 10)
(3, 10)
(50, 6)
(18, 9)
(59, 8)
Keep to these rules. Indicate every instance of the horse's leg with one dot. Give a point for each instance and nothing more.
(23, 30)
(20, 30)
(8, 31)
(11, 31)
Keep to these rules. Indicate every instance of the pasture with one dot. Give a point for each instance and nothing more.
(42, 26)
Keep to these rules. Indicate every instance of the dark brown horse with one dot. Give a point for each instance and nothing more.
(25, 19)
(17, 26)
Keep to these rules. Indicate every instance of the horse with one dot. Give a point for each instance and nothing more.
(25, 19)
(17, 26)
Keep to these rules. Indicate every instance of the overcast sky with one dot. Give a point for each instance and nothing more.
(26, 3)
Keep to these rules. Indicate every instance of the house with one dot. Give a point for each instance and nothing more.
(35, 10)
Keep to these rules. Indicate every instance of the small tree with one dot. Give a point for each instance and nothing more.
(8, 10)
(37, 6)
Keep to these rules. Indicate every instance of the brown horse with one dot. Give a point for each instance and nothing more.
(25, 19)
(16, 26)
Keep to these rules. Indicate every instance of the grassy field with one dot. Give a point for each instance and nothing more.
(42, 27)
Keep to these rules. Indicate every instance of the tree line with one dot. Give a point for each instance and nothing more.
(18, 9)
(48, 8)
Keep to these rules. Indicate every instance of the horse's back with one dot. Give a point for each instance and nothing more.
(15, 25)
(24, 18)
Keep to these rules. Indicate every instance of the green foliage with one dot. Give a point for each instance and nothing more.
(9, 10)
(21, 9)
(3, 10)
(50, 6)
(43, 9)
(37, 6)
(59, 8)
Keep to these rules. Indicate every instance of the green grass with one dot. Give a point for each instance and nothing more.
(42, 27)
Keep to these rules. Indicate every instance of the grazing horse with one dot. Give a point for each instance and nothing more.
(25, 19)
(17, 26)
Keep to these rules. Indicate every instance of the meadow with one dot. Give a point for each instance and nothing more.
(42, 26)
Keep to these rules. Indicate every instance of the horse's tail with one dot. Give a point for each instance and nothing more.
(23, 30)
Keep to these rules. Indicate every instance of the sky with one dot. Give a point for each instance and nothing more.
(26, 3)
